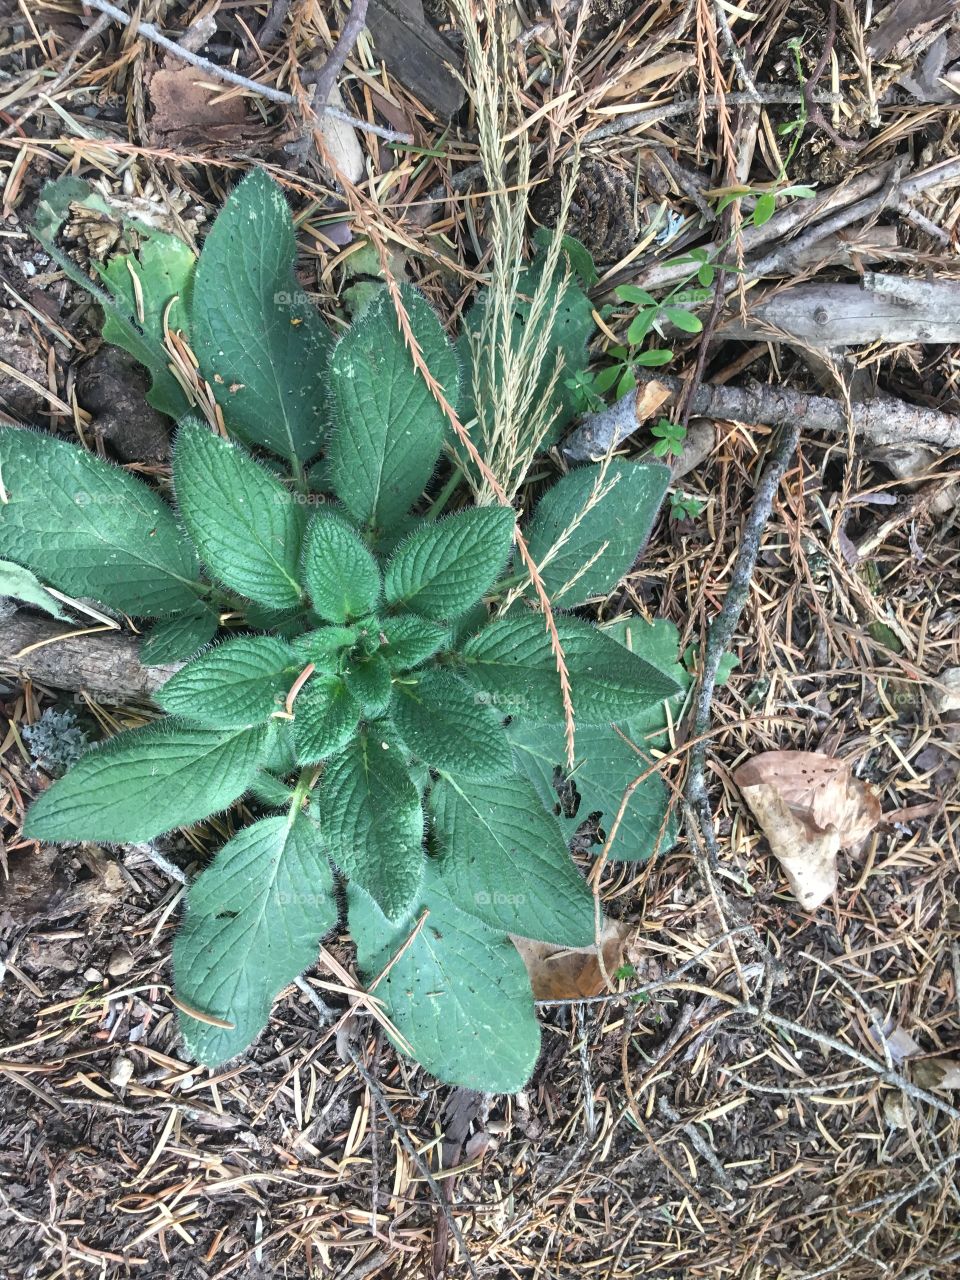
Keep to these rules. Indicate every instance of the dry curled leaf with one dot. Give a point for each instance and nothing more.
(936, 1073)
(810, 806)
(567, 973)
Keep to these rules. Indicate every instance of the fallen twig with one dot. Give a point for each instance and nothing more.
(323, 78)
(724, 625)
(883, 420)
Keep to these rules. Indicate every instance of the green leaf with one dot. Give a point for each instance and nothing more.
(764, 209)
(253, 923)
(326, 713)
(652, 359)
(270, 791)
(147, 781)
(261, 345)
(447, 725)
(90, 529)
(682, 319)
(368, 679)
(239, 683)
(604, 380)
(372, 820)
(565, 337)
(279, 752)
(20, 584)
(606, 764)
(178, 638)
(388, 428)
(340, 573)
(569, 336)
(324, 646)
(504, 860)
(245, 524)
(631, 293)
(164, 271)
(641, 325)
(444, 568)
(578, 255)
(458, 992)
(608, 538)
(512, 663)
(411, 640)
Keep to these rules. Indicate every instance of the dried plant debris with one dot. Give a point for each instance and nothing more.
(602, 209)
(571, 973)
(190, 110)
(810, 806)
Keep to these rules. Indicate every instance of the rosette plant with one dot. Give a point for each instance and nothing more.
(379, 684)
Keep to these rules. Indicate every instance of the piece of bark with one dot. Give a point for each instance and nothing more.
(885, 308)
(850, 249)
(903, 23)
(415, 53)
(883, 421)
(106, 665)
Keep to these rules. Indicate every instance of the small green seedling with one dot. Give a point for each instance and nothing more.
(353, 669)
(669, 439)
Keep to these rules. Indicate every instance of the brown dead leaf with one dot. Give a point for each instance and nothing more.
(810, 806)
(570, 973)
(936, 1073)
(627, 87)
(189, 109)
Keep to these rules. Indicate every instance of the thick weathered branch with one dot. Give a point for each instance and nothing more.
(106, 664)
(882, 421)
(885, 308)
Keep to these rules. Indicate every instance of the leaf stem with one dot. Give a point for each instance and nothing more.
(446, 493)
(301, 791)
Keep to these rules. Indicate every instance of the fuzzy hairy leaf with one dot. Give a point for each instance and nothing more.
(410, 640)
(340, 573)
(324, 645)
(606, 539)
(178, 638)
(253, 922)
(20, 584)
(147, 781)
(372, 820)
(511, 663)
(370, 683)
(388, 428)
(90, 529)
(244, 523)
(325, 716)
(270, 791)
(443, 723)
(446, 567)
(239, 683)
(504, 860)
(458, 992)
(606, 764)
(261, 345)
